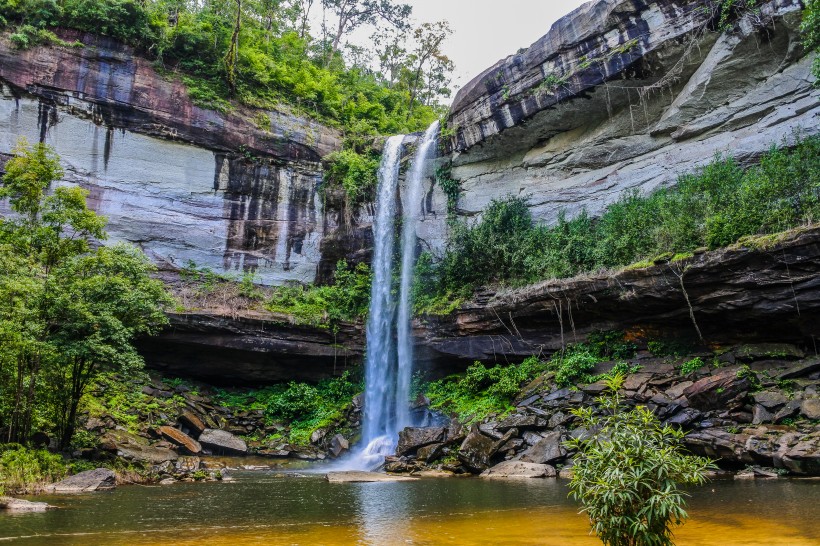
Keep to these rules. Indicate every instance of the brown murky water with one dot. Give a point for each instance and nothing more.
(271, 508)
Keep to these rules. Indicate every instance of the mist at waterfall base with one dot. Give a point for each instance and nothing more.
(389, 361)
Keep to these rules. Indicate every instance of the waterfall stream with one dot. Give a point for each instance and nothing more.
(389, 364)
(411, 213)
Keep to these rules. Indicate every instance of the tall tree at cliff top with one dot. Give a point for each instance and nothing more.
(67, 310)
(351, 14)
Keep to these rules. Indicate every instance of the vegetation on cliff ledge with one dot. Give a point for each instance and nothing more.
(265, 54)
(714, 207)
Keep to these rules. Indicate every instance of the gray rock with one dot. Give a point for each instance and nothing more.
(477, 450)
(715, 391)
(801, 369)
(412, 438)
(770, 399)
(188, 465)
(789, 410)
(804, 457)
(19, 505)
(429, 452)
(99, 479)
(521, 421)
(222, 442)
(518, 470)
(810, 408)
(338, 445)
(761, 415)
(356, 476)
(547, 450)
(760, 351)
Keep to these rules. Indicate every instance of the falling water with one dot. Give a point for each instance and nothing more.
(412, 210)
(389, 368)
(380, 389)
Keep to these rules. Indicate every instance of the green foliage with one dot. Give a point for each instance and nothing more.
(356, 173)
(346, 300)
(257, 53)
(669, 347)
(611, 344)
(482, 391)
(713, 207)
(67, 311)
(575, 365)
(745, 372)
(450, 186)
(626, 476)
(303, 407)
(24, 470)
(811, 33)
(691, 366)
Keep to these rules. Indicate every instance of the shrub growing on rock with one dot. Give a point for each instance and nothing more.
(626, 475)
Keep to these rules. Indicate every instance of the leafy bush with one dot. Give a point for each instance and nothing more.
(575, 365)
(713, 207)
(304, 407)
(691, 366)
(626, 475)
(356, 173)
(24, 470)
(482, 391)
(347, 299)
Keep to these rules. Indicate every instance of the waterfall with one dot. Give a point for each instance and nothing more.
(389, 366)
(380, 390)
(411, 213)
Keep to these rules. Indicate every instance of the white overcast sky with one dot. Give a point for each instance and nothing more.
(485, 31)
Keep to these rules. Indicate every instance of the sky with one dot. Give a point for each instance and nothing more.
(485, 31)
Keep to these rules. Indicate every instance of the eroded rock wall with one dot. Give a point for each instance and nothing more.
(622, 94)
(234, 191)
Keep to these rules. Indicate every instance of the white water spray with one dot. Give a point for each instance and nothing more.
(412, 212)
(389, 367)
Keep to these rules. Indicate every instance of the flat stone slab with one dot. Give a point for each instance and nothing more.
(357, 476)
(519, 470)
(99, 479)
(20, 505)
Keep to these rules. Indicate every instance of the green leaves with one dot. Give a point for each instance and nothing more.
(626, 475)
(66, 310)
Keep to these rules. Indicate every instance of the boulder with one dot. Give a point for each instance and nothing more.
(810, 408)
(521, 421)
(177, 437)
(761, 415)
(20, 505)
(222, 442)
(430, 452)
(546, 450)
(770, 399)
(715, 391)
(412, 438)
(187, 465)
(133, 447)
(190, 420)
(801, 369)
(356, 476)
(476, 451)
(789, 410)
(99, 479)
(338, 445)
(519, 469)
(804, 458)
(759, 351)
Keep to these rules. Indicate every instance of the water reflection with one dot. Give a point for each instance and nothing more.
(286, 508)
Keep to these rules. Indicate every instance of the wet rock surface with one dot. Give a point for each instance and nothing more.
(99, 479)
(730, 413)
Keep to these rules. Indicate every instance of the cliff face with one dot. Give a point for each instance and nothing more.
(234, 192)
(622, 94)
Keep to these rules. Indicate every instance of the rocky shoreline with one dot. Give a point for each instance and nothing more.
(751, 408)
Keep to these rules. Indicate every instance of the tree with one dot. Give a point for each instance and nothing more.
(626, 474)
(351, 14)
(428, 68)
(811, 33)
(67, 310)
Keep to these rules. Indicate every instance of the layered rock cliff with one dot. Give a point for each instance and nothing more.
(622, 94)
(235, 191)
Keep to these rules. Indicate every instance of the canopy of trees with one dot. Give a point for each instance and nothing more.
(264, 53)
(67, 309)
